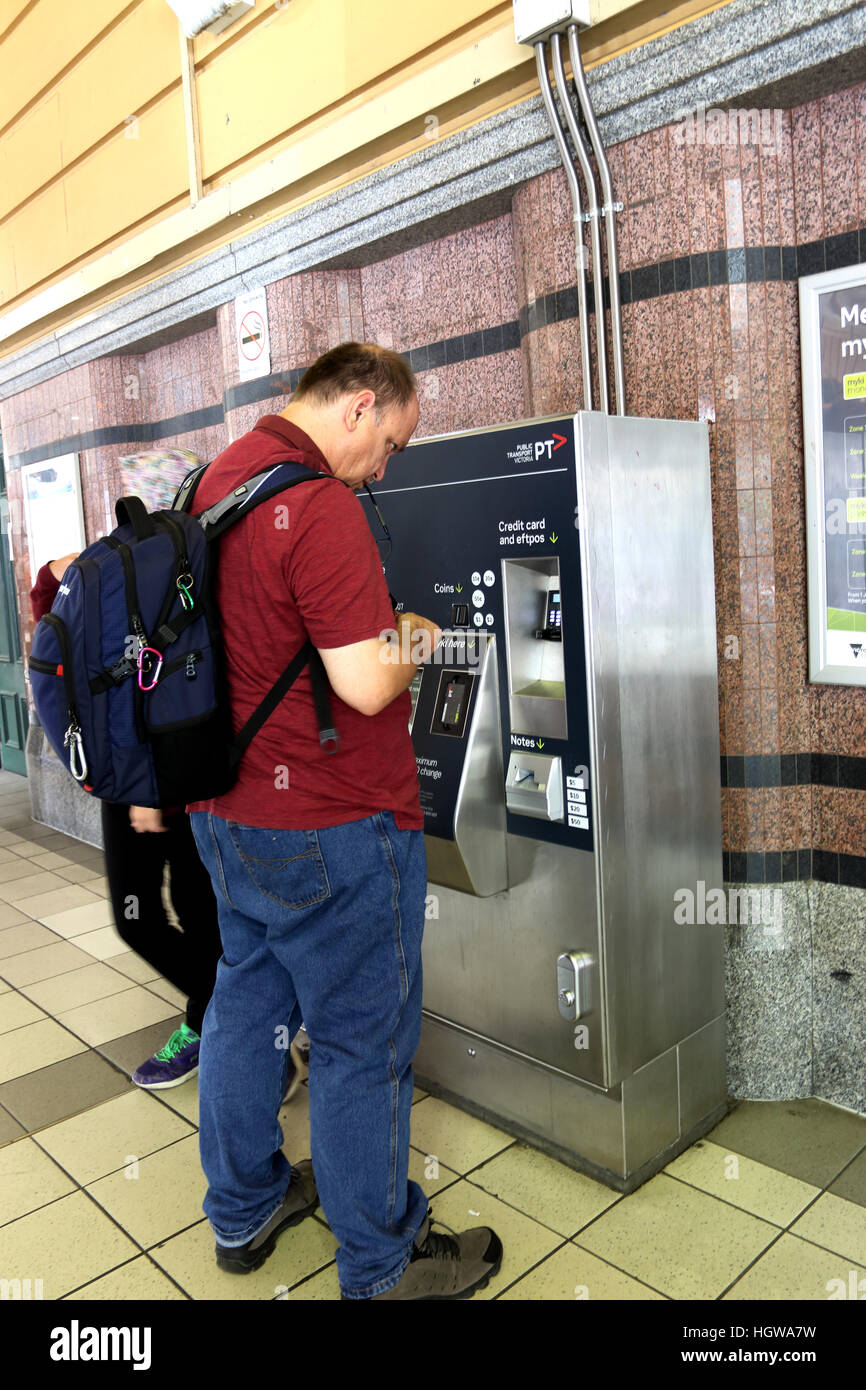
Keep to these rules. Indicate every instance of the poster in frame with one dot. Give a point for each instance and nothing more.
(52, 509)
(833, 357)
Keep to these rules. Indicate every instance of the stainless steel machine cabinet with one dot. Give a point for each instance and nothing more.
(567, 741)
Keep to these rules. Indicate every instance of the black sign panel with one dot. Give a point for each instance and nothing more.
(456, 508)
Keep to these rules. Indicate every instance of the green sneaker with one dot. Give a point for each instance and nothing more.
(173, 1064)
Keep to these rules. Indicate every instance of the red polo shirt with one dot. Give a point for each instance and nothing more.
(303, 564)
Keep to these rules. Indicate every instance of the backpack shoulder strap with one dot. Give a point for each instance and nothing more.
(186, 492)
(237, 504)
(215, 521)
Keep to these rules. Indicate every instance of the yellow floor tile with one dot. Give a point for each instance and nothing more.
(4, 988)
(15, 1012)
(98, 885)
(754, 1187)
(36, 885)
(50, 860)
(60, 901)
(14, 941)
(27, 850)
(684, 1243)
(44, 963)
(11, 917)
(455, 1138)
(76, 987)
(162, 1196)
(794, 1269)
(110, 1136)
(102, 944)
(135, 1282)
(167, 991)
(74, 919)
(65, 1244)
(431, 1176)
(78, 873)
(117, 1015)
(573, 1275)
(36, 1046)
(836, 1224)
(190, 1259)
(323, 1287)
(28, 1180)
(183, 1099)
(544, 1189)
(18, 869)
(135, 967)
(524, 1241)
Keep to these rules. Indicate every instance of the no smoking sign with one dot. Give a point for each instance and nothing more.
(251, 335)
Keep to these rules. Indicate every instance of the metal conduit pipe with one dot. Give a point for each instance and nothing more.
(571, 175)
(593, 213)
(609, 211)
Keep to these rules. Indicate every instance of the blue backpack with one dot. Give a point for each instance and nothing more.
(127, 669)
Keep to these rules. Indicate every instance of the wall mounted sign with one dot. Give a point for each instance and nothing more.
(52, 508)
(251, 335)
(833, 353)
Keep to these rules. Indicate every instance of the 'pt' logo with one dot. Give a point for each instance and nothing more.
(549, 446)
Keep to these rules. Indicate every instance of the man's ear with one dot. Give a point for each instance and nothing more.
(357, 407)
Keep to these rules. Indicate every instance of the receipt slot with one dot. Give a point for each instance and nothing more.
(566, 739)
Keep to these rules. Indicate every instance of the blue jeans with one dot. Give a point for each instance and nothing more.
(324, 926)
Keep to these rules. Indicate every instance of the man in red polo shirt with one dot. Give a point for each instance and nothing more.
(317, 858)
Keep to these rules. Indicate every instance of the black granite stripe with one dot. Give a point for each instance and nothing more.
(794, 865)
(736, 266)
(191, 420)
(794, 769)
(140, 433)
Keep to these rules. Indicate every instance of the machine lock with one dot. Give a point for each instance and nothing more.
(573, 980)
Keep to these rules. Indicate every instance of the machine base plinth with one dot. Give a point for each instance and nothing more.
(621, 1137)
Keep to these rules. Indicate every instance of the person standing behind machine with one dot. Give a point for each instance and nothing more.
(138, 842)
(317, 858)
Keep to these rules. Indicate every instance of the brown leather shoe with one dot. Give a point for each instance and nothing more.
(301, 1200)
(447, 1266)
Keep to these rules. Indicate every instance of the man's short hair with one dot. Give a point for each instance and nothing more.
(354, 367)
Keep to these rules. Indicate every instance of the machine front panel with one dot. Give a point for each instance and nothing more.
(485, 542)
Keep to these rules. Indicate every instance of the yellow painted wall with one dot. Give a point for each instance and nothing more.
(307, 58)
(291, 100)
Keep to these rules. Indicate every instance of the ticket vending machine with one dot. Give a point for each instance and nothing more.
(567, 737)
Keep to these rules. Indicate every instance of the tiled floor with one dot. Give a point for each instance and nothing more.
(101, 1189)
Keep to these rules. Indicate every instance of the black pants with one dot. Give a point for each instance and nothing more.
(134, 864)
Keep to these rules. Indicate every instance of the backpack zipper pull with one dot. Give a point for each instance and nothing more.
(184, 585)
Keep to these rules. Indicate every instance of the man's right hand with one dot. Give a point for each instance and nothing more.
(419, 637)
(369, 675)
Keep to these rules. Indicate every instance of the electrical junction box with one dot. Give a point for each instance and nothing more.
(535, 20)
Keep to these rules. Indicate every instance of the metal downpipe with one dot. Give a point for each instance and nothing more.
(571, 175)
(609, 210)
(593, 214)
